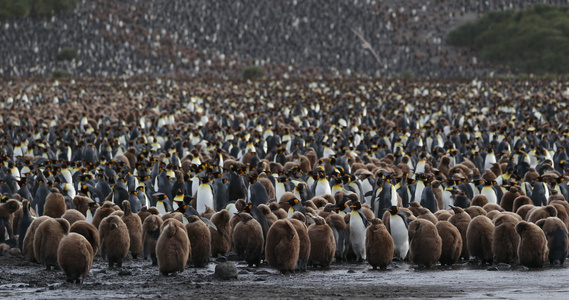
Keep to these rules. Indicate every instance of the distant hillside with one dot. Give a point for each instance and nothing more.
(217, 39)
(534, 40)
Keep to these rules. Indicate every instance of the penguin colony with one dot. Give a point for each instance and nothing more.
(281, 176)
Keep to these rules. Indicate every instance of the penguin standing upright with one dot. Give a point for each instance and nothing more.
(398, 226)
(379, 245)
(358, 225)
(204, 196)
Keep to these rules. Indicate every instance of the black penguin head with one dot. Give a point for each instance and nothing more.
(393, 210)
(356, 205)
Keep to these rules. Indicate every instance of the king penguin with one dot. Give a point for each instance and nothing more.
(398, 226)
(204, 196)
(358, 225)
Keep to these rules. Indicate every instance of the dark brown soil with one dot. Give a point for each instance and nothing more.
(139, 279)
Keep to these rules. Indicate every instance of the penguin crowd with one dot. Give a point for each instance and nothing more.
(218, 38)
(296, 175)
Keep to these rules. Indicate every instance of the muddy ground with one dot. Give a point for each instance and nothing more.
(139, 279)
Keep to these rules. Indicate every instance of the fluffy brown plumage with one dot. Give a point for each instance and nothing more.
(220, 238)
(541, 213)
(75, 257)
(28, 244)
(282, 247)
(54, 204)
(379, 245)
(322, 243)
(532, 249)
(247, 238)
(479, 238)
(102, 212)
(46, 240)
(115, 240)
(304, 243)
(425, 244)
(505, 240)
(557, 239)
(451, 242)
(88, 231)
(134, 225)
(150, 235)
(173, 247)
(200, 241)
(72, 216)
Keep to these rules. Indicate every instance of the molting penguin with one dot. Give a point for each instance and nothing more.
(425, 243)
(200, 241)
(172, 247)
(248, 239)
(75, 257)
(479, 238)
(282, 247)
(451, 242)
(398, 227)
(379, 245)
(150, 234)
(532, 249)
(88, 231)
(46, 241)
(322, 243)
(134, 225)
(115, 241)
(557, 240)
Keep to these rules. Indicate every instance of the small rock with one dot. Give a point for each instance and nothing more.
(350, 271)
(226, 271)
(221, 259)
(260, 279)
(492, 269)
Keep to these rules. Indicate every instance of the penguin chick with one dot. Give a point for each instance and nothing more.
(102, 212)
(557, 240)
(89, 232)
(220, 238)
(541, 213)
(425, 243)
(507, 202)
(451, 242)
(460, 220)
(81, 203)
(172, 247)
(479, 238)
(28, 244)
(520, 201)
(524, 210)
(134, 226)
(532, 249)
(75, 257)
(54, 204)
(304, 243)
(248, 239)
(282, 247)
(322, 243)
(46, 241)
(72, 216)
(200, 241)
(379, 245)
(150, 235)
(340, 232)
(114, 240)
(505, 239)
